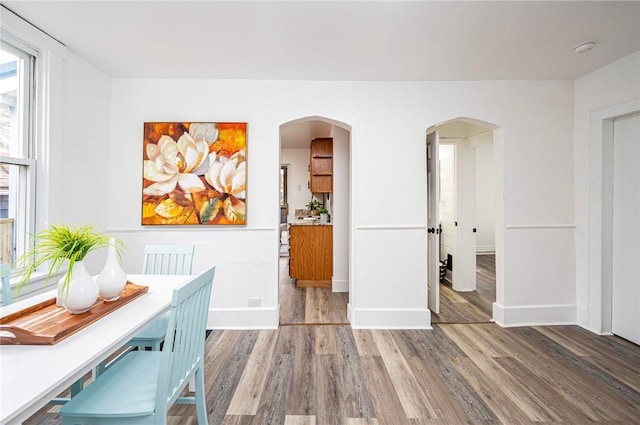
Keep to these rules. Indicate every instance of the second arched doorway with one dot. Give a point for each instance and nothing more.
(463, 220)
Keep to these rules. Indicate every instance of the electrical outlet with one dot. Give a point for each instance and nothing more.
(254, 302)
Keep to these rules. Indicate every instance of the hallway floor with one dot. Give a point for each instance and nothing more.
(309, 305)
(474, 306)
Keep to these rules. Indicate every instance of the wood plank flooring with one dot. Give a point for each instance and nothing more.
(309, 305)
(470, 307)
(453, 374)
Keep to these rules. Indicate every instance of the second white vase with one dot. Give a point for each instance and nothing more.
(112, 279)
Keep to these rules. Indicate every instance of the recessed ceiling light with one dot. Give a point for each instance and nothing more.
(584, 47)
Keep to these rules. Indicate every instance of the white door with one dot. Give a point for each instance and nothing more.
(626, 228)
(433, 221)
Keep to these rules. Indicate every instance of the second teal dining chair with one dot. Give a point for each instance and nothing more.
(141, 387)
(162, 259)
(168, 259)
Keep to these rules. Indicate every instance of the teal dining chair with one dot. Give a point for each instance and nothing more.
(5, 271)
(168, 259)
(162, 259)
(141, 387)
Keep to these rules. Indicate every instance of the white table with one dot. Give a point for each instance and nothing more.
(32, 375)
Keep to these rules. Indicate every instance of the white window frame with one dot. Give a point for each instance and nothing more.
(48, 134)
(24, 198)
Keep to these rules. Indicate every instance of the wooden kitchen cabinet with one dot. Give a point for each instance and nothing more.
(321, 162)
(311, 255)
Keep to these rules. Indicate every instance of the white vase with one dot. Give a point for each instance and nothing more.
(83, 290)
(112, 279)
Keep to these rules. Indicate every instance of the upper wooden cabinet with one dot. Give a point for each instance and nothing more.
(322, 165)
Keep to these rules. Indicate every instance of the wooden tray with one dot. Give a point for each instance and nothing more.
(47, 324)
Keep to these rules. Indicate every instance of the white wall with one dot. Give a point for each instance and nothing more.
(485, 199)
(388, 122)
(595, 93)
(85, 177)
(299, 192)
(535, 253)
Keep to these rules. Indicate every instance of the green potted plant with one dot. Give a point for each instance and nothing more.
(324, 215)
(313, 205)
(60, 245)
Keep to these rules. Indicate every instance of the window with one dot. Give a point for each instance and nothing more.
(17, 159)
(283, 185)
(284, 208)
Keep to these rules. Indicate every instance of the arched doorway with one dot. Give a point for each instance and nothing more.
(298, 302)
(464, 220)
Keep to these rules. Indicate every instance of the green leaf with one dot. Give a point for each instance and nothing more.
(209, 210)
(56, 244)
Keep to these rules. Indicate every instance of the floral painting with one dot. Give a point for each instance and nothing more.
(194, 173)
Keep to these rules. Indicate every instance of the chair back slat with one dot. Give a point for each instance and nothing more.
(183, 349)
(168, 259)
(5, 271)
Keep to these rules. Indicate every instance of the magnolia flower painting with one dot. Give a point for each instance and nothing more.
(194, 173)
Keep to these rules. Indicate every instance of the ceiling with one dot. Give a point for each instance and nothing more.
(460, 129)
(298, 135)
(340, 40)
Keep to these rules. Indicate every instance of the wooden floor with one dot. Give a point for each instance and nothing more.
(470, 307)
(309, 305)
(453, 374)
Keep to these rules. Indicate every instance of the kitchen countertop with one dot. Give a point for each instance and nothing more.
(308, 223)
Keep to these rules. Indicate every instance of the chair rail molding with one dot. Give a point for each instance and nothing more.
(539, 226)
(163, 229)
(392, 227)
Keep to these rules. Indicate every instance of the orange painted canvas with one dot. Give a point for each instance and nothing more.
(194, 173)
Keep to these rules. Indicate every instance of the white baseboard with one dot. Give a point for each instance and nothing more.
(340, 285)
(485, 249)
(243, 318)
(594, 330)
(349, 313)
(463, 290)
(388, 318)
(267, 318)
(534, 315)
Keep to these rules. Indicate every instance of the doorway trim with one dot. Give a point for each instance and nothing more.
(600, 226)
(498, 311)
